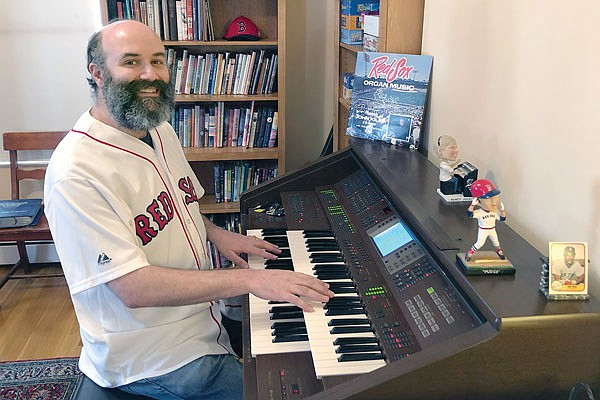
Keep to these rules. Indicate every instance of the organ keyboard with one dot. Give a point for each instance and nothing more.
(404, 321)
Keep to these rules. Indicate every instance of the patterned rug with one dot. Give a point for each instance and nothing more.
(52, 379)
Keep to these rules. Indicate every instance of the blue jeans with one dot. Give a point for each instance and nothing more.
(207, 378)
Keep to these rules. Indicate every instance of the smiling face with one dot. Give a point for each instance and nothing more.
(134, 91)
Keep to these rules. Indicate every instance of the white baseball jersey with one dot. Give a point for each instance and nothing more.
(115, 205)
(486, 220)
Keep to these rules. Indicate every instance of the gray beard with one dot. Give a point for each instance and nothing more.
(135, 113)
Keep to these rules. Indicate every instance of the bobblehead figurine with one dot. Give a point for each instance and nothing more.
(456, 176)
(487, 208)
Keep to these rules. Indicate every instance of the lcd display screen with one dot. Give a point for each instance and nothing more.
(391, 239)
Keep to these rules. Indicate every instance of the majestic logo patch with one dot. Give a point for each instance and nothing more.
(103, 259)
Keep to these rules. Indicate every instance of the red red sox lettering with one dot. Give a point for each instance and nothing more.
(397, 69)
(160, 212)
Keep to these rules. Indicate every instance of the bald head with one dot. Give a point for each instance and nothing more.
(118, 34)
(129, 77)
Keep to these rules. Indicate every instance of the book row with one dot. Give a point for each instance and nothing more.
(223, 124)
(170, 19)
(232, 178)
(226, 73)
(230, 222)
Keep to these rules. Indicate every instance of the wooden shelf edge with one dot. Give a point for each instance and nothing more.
(209, 206)
(188, 98)
(230, 153)
(354, 48)
(214, 43)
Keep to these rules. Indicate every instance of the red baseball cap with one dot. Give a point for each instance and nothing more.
(242, 28)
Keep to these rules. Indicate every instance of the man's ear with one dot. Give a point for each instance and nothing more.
(96, 74)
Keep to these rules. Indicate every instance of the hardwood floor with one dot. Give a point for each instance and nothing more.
(37, 319)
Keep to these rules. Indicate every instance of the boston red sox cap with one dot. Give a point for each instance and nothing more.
(242, 28)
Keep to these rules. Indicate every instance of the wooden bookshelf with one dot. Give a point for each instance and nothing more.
(400, 31)
(269, 17)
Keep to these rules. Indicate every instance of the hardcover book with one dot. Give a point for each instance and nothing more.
(388, 97)
(19, 213)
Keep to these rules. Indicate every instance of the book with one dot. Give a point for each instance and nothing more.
(274, 128)
(19, 213)
(389, 94)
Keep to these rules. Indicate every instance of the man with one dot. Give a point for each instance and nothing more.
(569, 271)
(127, 227)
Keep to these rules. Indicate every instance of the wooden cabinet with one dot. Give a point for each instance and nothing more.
(269, 17)
(400, 31)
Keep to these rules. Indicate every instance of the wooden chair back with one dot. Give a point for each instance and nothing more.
(21, 141)
(15, 142)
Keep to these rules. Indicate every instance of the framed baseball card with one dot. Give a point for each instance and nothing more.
(568, 268)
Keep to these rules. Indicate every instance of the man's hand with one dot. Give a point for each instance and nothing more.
(292, 287)
(232, 245)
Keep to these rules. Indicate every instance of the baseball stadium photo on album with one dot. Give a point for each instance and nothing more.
(568, 268)
(388, 97)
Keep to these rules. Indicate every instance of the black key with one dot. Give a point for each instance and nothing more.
(336, 311)
(349, 321)
(355, 340)
(286, 315)
(341, 270)
(326, 257)
(332, 265)
(277, 325)
(274, 231)
(322, 247)
(342, 290)
(350, 329)
(345, 300)
(360, 357)
(317, 232)
(284, 309)
(320, 240)
(357, 348)
(290, 338)
(331, 275)
(289, 331)
(285, 253)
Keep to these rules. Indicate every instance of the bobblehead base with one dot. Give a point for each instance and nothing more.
(485, 263)
(454, 198)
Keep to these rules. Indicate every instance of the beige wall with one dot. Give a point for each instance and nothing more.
(517, 83)
(309, 75)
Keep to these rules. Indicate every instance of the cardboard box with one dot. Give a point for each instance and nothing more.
(351, 22)
(355, 7)
(351, 36)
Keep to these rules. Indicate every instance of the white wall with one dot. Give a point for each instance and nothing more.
(517, 83)
(42, 75)
(43, 70)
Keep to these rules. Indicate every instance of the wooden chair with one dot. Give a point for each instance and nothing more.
(15, 142)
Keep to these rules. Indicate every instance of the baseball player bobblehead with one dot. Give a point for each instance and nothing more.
(490, 210)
